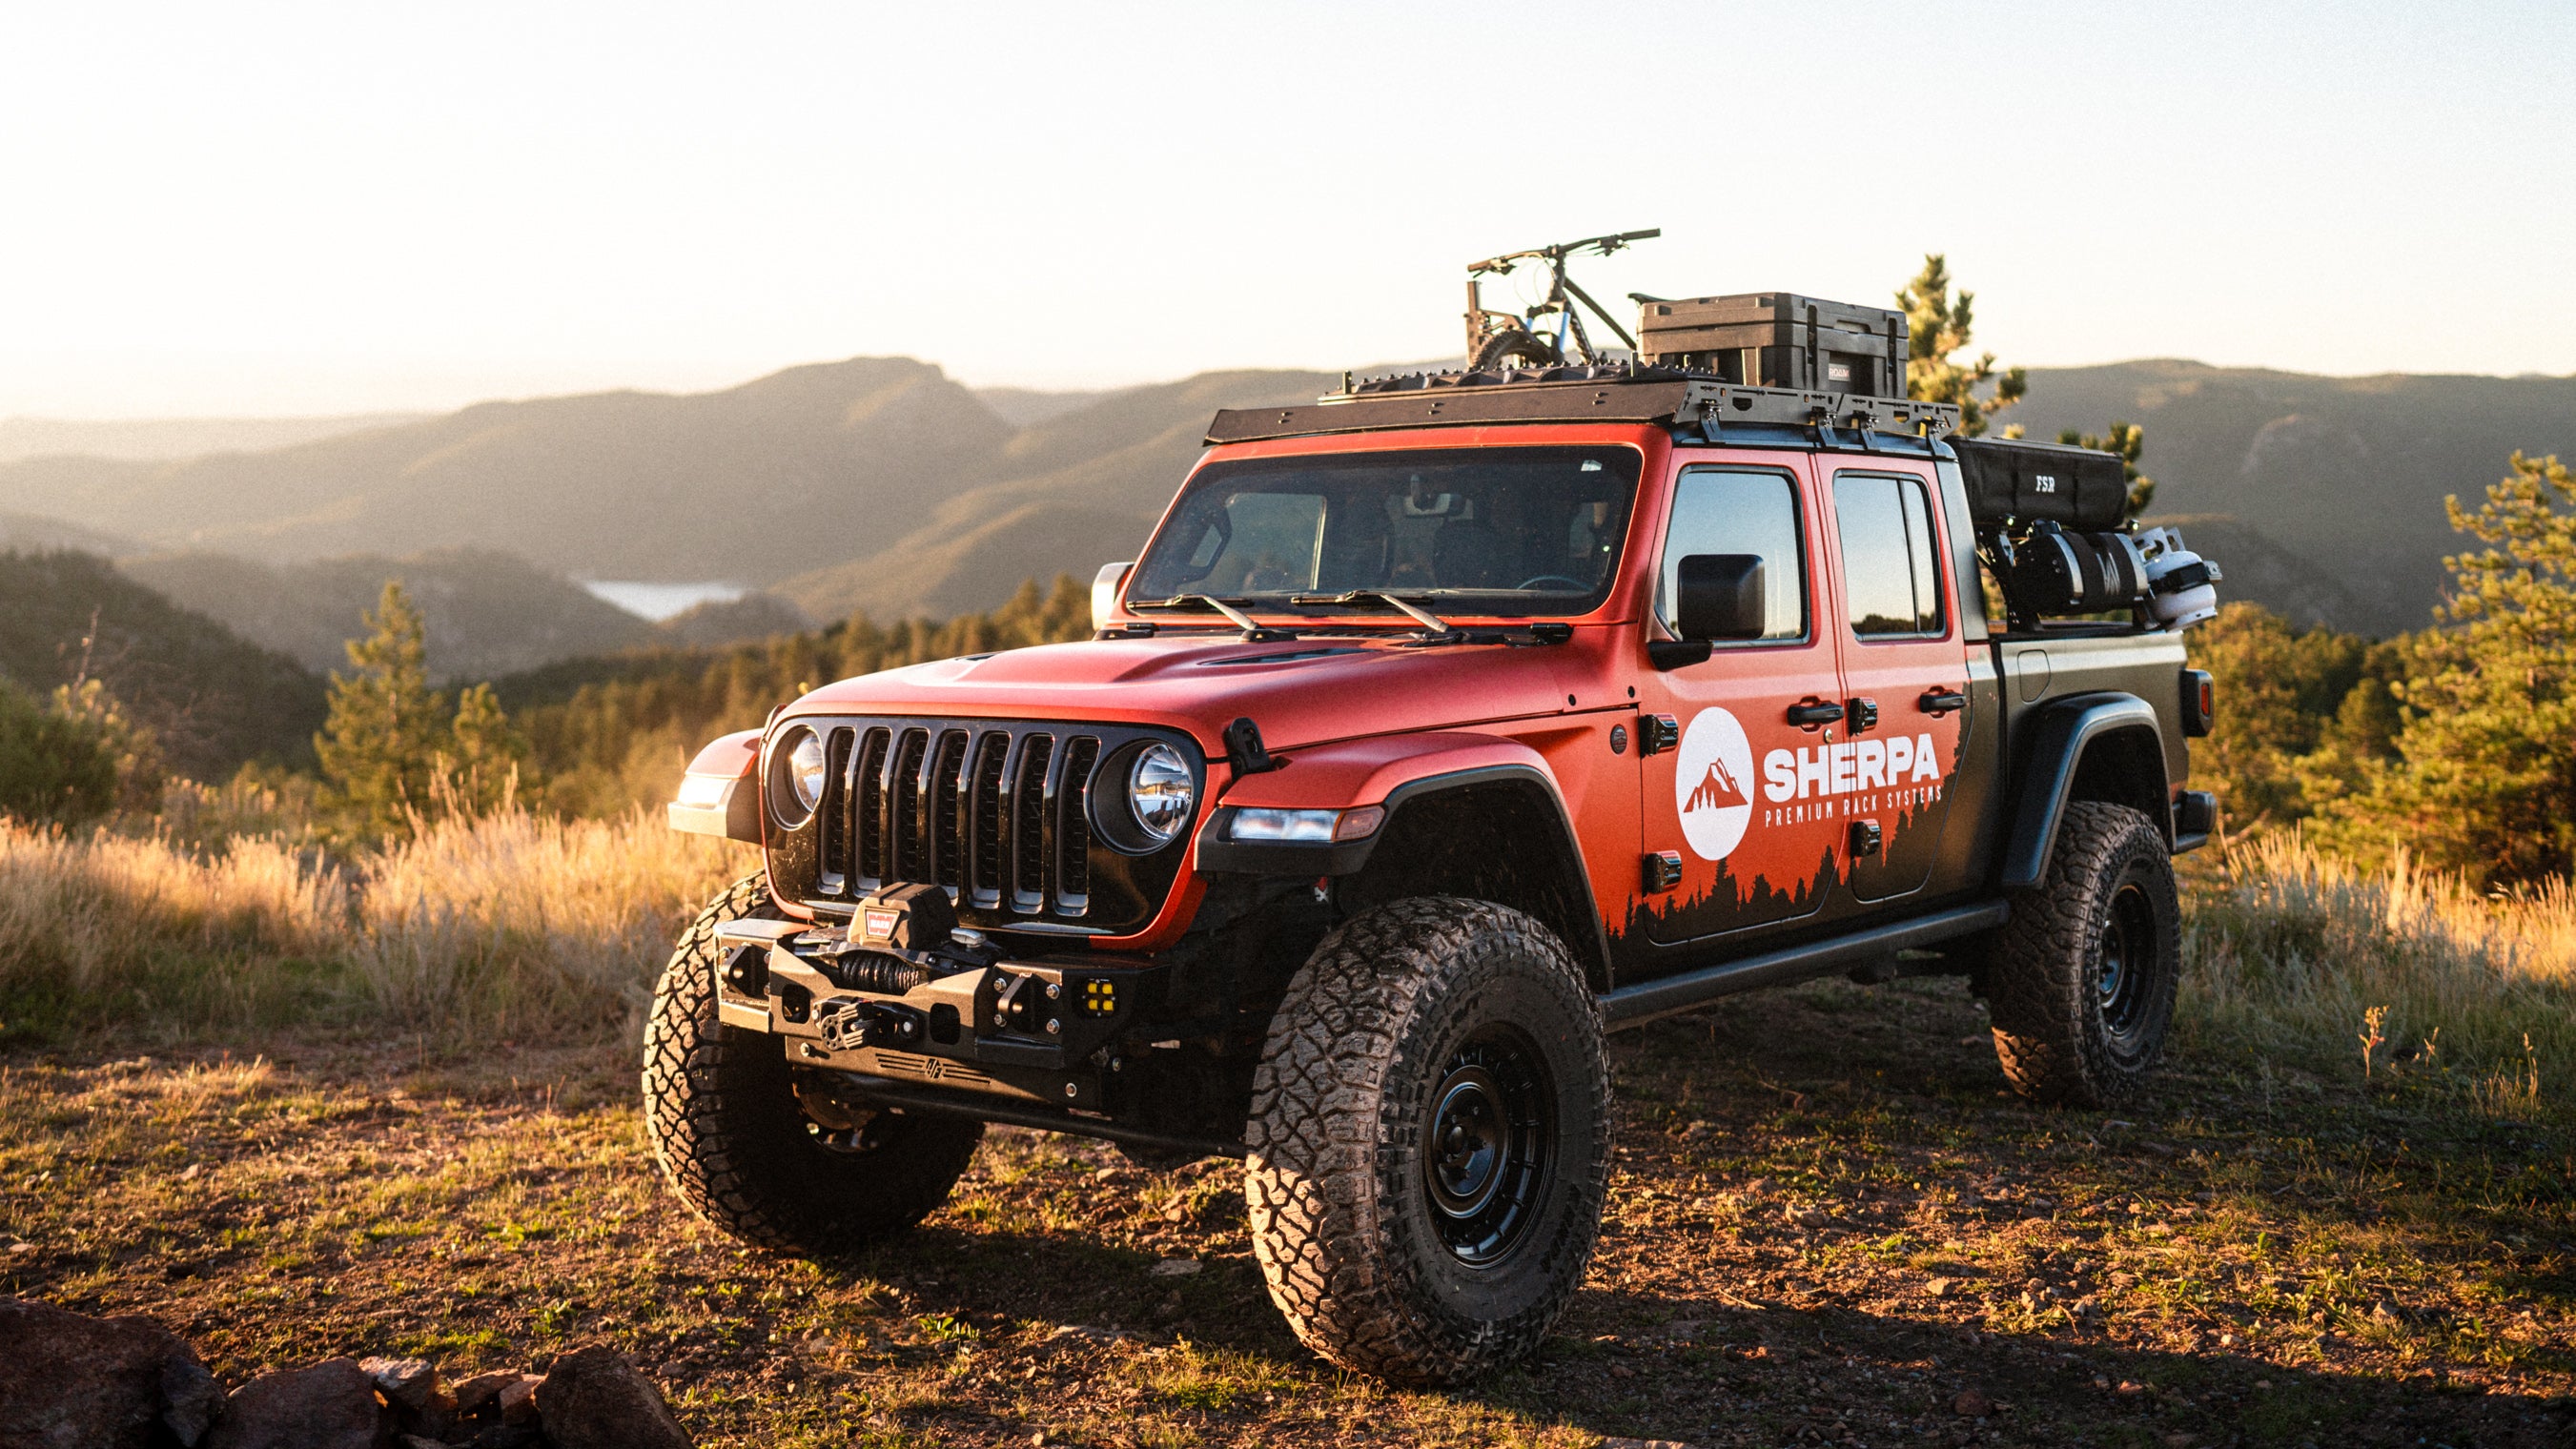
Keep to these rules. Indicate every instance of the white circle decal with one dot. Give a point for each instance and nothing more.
(1713, 783)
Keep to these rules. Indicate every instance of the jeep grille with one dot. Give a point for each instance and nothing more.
(998, 812)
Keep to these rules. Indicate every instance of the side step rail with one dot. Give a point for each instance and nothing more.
(1667, 996)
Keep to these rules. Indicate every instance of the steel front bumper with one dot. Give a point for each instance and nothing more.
(1029, 1031)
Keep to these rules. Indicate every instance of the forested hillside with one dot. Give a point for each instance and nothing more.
(488, 612)
(212, 699)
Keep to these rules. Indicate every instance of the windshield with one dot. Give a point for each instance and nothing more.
(1514, 531)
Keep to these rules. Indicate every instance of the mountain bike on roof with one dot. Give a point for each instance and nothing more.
(1549, 333)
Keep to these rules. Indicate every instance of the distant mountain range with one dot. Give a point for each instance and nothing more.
(1067, 495)
(882, 485)
(176, 437)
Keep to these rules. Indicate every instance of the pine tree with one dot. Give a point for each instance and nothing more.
(2485, 781)
(379, 748)
(1939, 325)
(484, 765)
(2301, 713)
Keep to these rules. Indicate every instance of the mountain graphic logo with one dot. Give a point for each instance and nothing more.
(1709, 771)
(1717, 792)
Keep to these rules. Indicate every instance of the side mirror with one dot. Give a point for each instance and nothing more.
(1104, 593)
(1719, 596)
(1716, 596)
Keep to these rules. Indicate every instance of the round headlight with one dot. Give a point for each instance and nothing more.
(1160, 793)
(796, 774)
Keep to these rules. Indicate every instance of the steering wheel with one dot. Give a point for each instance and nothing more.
(1577, 585)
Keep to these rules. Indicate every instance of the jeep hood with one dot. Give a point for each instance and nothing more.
(1300, 692)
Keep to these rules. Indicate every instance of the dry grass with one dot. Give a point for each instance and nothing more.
(141, 935)
(2300, 957)
(512, 923)
(517, 920)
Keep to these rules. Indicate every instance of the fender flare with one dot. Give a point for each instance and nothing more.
(2060, 733)
(721, 791)
(1393, 773)
(1352, 774)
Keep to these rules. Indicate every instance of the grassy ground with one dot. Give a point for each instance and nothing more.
(390, 1113)
(1828, 1225)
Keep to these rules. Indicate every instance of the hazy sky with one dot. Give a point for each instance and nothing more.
(247, 208)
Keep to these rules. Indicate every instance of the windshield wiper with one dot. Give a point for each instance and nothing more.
(1253, 632)
(1424, 617)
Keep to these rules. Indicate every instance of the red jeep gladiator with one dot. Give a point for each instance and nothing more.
(1445, 725)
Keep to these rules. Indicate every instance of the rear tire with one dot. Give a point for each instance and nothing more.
(721, 1111)
(2082, 983)
(1430, 1138)
(1518, 346)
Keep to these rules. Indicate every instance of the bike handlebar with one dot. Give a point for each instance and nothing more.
(1562, 250)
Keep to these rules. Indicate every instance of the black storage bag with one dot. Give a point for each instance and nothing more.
(2081, 488)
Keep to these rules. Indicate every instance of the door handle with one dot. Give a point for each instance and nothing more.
(1815, 713)
(1942, 701)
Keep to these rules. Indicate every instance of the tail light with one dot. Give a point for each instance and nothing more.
(2199, 702)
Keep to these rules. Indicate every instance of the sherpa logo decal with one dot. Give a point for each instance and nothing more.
(1856, 777)
(1712, 784)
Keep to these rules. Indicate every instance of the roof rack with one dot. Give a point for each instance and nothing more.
(1614, 392)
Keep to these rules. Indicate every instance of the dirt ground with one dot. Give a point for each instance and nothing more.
(1828, 1225)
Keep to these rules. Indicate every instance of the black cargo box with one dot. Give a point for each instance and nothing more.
(2083, 489)
(1779, 339)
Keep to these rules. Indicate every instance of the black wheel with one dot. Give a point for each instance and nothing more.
(777, 1161)
(2082, 980)
(1517, 346)
(1430, 1137)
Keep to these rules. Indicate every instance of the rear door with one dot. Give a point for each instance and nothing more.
(1904, 675)
(1749, 854)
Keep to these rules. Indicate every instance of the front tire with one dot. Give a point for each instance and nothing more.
(1430, 1141)
(721, 1110)
(2082, 984)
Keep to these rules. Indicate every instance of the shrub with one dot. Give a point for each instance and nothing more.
(53, 766)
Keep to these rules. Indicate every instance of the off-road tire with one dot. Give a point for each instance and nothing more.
(2081, 983)
(1373, 1029)
(720, 1110)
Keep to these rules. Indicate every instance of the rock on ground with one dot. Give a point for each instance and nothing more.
(72, 1382)
(518, 1400)
(412, 1381)
(594, 1399)
(480, 1392)
(331, 1405)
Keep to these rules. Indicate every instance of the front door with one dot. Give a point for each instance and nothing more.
(1749, 854)
(1904, 676)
